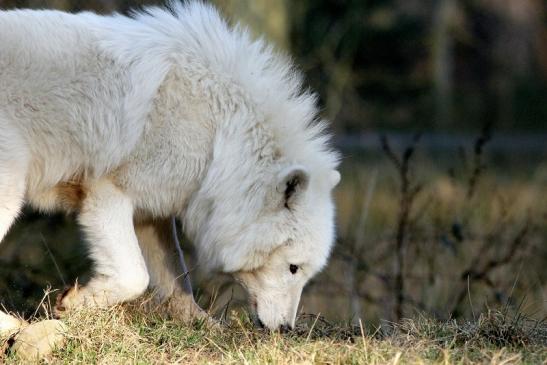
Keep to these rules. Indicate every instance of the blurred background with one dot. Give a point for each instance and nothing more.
(439, 108)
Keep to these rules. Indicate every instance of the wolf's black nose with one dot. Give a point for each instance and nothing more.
(259, 323)
(284, 328)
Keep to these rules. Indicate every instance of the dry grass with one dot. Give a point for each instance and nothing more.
(460, 254)
(126, 334)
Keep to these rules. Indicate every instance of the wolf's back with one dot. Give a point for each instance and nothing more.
(63, 92)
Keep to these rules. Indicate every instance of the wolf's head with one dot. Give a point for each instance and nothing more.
(272, 233)
(263, 211)
(302, 242)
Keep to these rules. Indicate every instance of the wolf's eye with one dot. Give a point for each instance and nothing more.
(293, 268)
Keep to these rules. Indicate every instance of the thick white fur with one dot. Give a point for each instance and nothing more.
(169, 112)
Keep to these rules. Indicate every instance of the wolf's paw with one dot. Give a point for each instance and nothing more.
(29, 342)
(184, 309)
(67, 300)
(38, 340)
(9, 325)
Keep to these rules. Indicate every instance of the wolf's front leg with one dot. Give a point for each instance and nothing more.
(168, 279)
(119, 269)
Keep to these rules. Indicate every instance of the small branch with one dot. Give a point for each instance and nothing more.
(53, 260)
(482, 274)
(187, 283)
(478, 165)
(408, 193)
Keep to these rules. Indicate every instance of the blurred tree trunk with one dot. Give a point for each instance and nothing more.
(442, 52)
(262, 16)
(512, 49)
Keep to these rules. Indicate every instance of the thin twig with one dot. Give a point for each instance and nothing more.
(408, 193)
(478, 165)
(472, 274)
(187, 283)
(53, 259)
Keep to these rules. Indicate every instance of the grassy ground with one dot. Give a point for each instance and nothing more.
(126, 334)
(488, 246)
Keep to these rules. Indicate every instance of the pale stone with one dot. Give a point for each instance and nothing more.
(39, 339)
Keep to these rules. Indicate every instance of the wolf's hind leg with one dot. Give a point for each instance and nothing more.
(13, 173)
(120, 271)
(168, 278)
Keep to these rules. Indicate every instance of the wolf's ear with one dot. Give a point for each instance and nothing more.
(292, 182)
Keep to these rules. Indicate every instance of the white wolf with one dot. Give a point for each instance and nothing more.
(130, 120)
